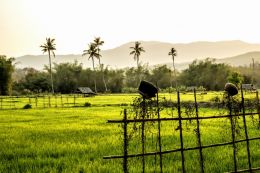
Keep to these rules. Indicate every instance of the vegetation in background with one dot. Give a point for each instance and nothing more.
(205, 73)
(6, 70)
(92, 51)
(69, 76)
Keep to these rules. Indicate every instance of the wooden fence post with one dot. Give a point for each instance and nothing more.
(36, 101)
(258, 108)
(43, 100)
(232, 132)
(56, 105)
(143, 133)
(125, 166)
(198, 132)
(159, 131)
(61, 101)
(246, 134)
(181, 136)
(49, 101)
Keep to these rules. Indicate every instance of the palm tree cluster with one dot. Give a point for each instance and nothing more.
(137, 49)
(93, 52)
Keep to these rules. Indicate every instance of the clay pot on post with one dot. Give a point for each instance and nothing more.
(231, 89)
(147, 90)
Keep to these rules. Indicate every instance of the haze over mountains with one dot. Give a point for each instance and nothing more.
(234, 53)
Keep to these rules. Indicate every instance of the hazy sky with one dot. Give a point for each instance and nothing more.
(24, 24)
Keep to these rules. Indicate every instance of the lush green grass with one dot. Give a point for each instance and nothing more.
(76, 139)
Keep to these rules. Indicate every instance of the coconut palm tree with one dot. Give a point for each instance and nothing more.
(173, 53)
(93, 53)
(136, 50)
(98, 42)
(49, 47)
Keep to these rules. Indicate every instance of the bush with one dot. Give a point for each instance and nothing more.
(87, 104)
(27, 106)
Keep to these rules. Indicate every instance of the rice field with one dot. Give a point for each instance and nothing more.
(75, 138)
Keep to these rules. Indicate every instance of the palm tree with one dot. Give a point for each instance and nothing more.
(173, 53)
(136, 50)
(49, 47)
(93, 53)
(98, 42)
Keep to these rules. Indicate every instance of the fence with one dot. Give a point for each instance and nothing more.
(200, 147)
(42, 101)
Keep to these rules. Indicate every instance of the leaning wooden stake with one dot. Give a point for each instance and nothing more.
(232, 132)
(181, 136)
(245, 128)
(125, 143)
(198, 132)
(143, 134)
(258, 108)
(159, 132)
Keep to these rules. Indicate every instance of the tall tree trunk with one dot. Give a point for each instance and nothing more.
(52, 88)
(103, 77)
(137, 61)
(174, 73)
(93, 63)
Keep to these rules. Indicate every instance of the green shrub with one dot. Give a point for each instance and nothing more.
(87, 104)
(27, 106)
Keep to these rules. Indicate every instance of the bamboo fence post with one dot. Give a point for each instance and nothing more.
(246, 134)
(143, 133)
(258, 108)
(198, 132)
(181, 135)
(232, 132)
(159, 132)
(61, 101)
(125, 166)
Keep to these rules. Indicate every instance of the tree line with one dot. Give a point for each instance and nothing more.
(67, 77)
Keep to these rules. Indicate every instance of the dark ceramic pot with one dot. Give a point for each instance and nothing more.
(147, 90)
(231, 89)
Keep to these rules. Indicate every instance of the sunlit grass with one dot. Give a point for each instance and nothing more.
(75, 139)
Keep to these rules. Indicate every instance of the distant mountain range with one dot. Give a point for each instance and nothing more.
(235, 53)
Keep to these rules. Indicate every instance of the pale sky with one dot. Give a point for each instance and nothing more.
(24, 24)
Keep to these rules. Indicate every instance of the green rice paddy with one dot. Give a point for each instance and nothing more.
(75, 138)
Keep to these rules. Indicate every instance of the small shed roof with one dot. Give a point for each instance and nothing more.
(85, 90)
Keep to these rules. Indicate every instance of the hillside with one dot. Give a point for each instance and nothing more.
(156, 53)
(241, 60)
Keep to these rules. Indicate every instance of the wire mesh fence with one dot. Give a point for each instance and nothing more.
(236, 115)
